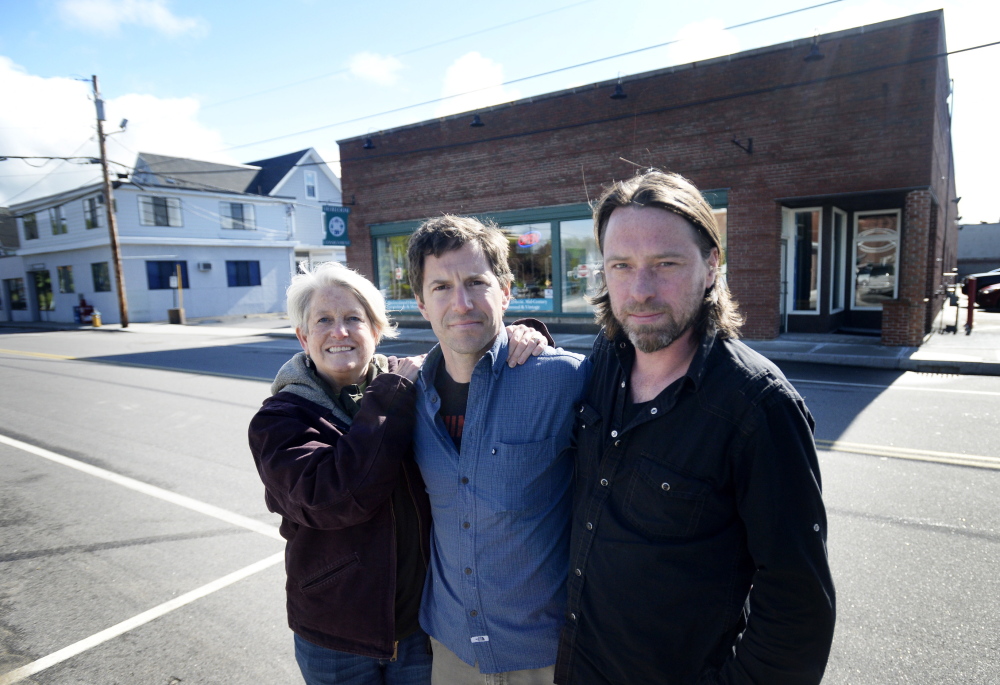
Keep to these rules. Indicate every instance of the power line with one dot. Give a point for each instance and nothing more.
(684, 105)
(14, 197)
(523, 78)
(398, 54)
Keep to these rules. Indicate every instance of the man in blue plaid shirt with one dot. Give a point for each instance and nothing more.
(490, 442)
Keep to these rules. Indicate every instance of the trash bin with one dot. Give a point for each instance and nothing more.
(176, 316)
(95, 319)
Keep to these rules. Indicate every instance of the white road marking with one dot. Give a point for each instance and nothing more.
(114, 631)
(872, 386)
(151, 490)
(233, 518)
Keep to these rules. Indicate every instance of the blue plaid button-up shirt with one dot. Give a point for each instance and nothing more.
(496, 588)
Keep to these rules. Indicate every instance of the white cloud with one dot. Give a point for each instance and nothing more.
(480, 78)
(108, 16)
(55, 117)
(702, 40)
(383, 70)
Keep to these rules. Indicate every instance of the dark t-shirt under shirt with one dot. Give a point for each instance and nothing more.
(454, 398)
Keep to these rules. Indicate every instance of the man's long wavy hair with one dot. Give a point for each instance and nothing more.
(673, 193)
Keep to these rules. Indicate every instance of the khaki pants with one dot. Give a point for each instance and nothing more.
(448, 669)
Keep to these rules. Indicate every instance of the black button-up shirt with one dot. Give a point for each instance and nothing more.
(681, 506)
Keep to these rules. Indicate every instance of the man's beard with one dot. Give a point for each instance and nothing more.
(650, 338)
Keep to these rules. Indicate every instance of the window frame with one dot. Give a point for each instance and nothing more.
(57, 218)
(248, 222)
(168, 202)
(235, 273)
(854, 255)
(164, 277)
(33, 223)
(834, 291)
(16, 292)
(306, 176)
(106, 280)
(91, 212)
(790, 234)
(64, 274)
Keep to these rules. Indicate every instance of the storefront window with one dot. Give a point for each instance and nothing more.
(531, 262)
(394, 273)
(876, 247)
(15, 293)
(581, 265)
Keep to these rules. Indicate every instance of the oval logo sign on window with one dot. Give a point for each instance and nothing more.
(528, 239)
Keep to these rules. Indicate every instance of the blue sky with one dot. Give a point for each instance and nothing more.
(213, 80)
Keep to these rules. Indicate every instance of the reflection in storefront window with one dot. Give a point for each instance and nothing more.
(581, 264)
(531, 262)
(394, 273)
(876, 246)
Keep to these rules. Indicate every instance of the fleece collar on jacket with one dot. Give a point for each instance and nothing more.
(298, 377)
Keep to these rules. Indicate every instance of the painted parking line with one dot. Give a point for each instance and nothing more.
(955, 458)
(145, 617)
(151, 490)
(230, 517)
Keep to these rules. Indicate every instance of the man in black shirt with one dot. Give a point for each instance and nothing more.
(698, 550)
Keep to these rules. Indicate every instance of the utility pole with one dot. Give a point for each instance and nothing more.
(109, 204)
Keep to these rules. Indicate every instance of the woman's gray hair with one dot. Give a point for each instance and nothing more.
(335, 275)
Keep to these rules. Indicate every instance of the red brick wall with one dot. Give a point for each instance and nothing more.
(834, 126)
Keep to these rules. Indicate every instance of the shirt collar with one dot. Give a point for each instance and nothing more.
(625, 352)
(497, 356)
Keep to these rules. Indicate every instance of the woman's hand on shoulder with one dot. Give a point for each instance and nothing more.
(523, 342)
(407, 367)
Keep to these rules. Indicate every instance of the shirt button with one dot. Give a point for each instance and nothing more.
(653, 410)
(468, 571)
(464, 480)
(572, 617)
(434, 400)
(578, 572)
(473, 613)
(664, 486)
(618, 443)
(581, 408)
(623, 384)
(614, 434)
(466, 524)
(604, 482)
(493, 451)
(589, 526)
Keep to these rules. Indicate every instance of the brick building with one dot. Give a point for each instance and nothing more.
(828, 162)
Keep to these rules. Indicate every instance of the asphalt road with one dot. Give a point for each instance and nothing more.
(128, 501)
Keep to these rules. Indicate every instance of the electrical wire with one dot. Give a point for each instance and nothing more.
(520, 79)
(14, 197)
(398, 54)
(684, 105)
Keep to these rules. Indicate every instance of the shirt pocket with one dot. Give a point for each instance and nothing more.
(662, 503)
(525, 477)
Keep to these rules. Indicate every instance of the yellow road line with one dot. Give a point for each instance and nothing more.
(114, 362)
(43, 355)
(974, 460)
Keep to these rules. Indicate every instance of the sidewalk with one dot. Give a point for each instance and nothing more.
(974, 354)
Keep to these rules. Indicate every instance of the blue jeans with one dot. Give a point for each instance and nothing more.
(322, 666)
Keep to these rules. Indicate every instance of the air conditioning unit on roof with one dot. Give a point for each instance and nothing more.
(204, 266)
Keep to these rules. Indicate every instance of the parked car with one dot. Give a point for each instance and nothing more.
(989, 297)
(982, 280)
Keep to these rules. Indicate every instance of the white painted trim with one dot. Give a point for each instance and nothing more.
(843, 259)
(853, 255)
(788, 232)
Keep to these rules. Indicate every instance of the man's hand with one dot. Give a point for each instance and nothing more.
(407, 367)
(524, 342)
